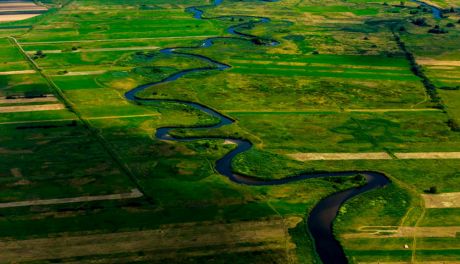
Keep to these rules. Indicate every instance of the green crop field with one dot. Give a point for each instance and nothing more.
(92, 172)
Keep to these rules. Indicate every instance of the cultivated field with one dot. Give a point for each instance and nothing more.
(352, 85)
(13, 10)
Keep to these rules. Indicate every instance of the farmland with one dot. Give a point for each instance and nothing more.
(116, 117)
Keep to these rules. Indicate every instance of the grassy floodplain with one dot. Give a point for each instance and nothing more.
(338, 82)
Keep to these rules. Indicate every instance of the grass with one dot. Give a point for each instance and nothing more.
(42, 150)
(441, 217)
(11, 58)
(295, 97)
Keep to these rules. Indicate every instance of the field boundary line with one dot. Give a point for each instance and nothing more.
(417, 223)
(317, 156)
(126, 116)
(383, 110)
(36, 121)
(110, 40)
(308, 111)
(72, 119)
(141, 48)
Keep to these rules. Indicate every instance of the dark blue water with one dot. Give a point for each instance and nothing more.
(323, 214)
(437, 13)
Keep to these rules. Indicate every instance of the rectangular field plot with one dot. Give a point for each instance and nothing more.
(266, 234)
(104, 102)
(10, 57)
(29, 85)
(353, 67)
(119, 22)
(36, 157)
(346, 132)
(36, 117)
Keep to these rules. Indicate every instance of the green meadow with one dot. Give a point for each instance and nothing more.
(347, 77)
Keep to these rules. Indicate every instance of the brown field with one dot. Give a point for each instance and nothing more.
(31, 108)
(135, 193)
(7, 18)
(340, 156)
(81, 73)
(271, 233)
(428, 61)
(407, 231)
(15, 6)
(373, 156)
(20, 6)
(428, 155)
(424, 262)
(443, 200)
(17, 72)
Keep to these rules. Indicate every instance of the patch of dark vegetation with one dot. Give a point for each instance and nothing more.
(147, 70)
(39, 55)
(142, 56)
(294, 37)
(340, 181)
(71, 124)
(375, 22)
(424, 9)
(432, 190)
(360, 29)
(453, 125)
(259, 41)
(437, 30)
(147, 7)
(27, 95)
(450, 10)
(418, 71)
(450, 88)
(34, 94)
(421, 22)
(372, 130)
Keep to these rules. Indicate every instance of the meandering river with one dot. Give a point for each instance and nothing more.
(323, 214)
(437, 13)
